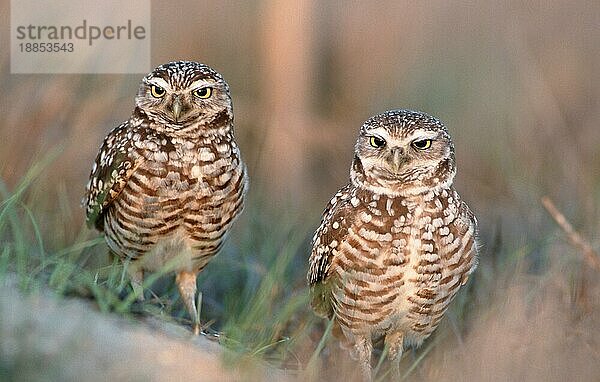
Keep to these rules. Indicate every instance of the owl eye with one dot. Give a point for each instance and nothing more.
(422, 144)
(203, 92)
(157, 91)
(377, 142)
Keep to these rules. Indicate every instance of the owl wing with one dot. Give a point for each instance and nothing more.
(467, 226)
(112, 168)
(331, 232)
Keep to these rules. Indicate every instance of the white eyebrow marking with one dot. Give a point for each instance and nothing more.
(420, 135)
(394, 140)
(160, 82)
(379, 132)
(200, 84)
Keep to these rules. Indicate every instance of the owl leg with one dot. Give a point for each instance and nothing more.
(186, 283)
(395, 342)
(136, 276)
(363, 348)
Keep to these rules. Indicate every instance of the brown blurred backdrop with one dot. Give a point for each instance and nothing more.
(516, 82)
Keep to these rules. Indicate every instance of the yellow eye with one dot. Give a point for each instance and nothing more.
(203, 93)
(422, 145)
(377, 142)
(157, 91)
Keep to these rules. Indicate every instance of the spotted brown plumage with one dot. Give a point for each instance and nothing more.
(168, 183)
(397, 242)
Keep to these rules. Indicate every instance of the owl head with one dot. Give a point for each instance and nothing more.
(403, 152)
(181, 93)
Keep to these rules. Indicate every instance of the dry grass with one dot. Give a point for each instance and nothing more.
(537, 328)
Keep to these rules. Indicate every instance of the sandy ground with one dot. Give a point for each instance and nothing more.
(50, 339)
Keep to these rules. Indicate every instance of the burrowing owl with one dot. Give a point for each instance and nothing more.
(168, 183)
(397, 242)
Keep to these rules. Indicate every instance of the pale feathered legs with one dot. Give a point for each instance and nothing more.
(186, 282)
(363, 348)
(394, 342)
(136, 277)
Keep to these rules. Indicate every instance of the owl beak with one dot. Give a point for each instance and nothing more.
(398, 159)
(176, 108)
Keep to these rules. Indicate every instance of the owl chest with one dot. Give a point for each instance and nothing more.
(177, 179)
(393, 263)
(185, 169)
(386, 243)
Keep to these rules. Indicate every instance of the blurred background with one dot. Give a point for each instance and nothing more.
(517, 83)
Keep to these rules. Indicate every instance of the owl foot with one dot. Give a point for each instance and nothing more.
(186, 283)
(137, 279)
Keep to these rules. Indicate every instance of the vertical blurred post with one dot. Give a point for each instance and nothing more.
(287, 43)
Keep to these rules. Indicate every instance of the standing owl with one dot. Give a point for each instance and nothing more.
(168, 183)
(396, 243)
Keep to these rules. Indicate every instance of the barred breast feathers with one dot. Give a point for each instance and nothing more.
(133, 143)
(447, 249)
